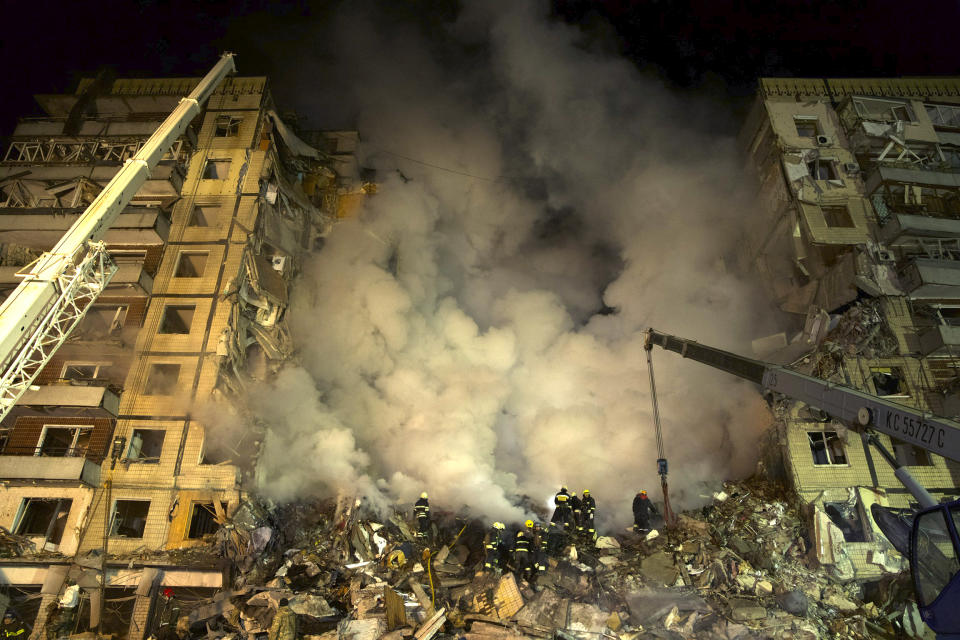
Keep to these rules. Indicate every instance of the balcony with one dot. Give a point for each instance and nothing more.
(39, 184)
(902, 225)
(930, 279)
(41, 228)
(67, 400)
(33, 467)
(130, 281)
(935, 179)
(941, 340)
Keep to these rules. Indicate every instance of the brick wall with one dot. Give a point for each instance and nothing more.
(25, 435)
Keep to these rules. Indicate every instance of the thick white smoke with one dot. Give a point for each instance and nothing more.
(481, 337)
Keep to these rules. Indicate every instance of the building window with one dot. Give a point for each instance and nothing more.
(910, 455)
(191, 264)
(45, 517)
(943, 116)
(216, 170)
(162, 379)
(203, 520)
(64, 441)
(84, 370)
(102, 320)
(177, 318)
(146, 445)
(848, 520)
(883, 110)
(226, 126)
(129, 518)
(949, 316)
(888, 381)
(806, 126)
(826, 447)
(821, 169)
(837, 217)
(202, 216)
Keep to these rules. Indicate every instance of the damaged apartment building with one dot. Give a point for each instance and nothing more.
(104, 473)
(858, 240)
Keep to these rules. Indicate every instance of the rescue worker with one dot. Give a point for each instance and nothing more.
(493, 546)
(575, 507)
(563, 492)
(284, 625)
(538, 545)
(642, 508)
(65, 620)
(422, 511)
(13, 629)
(561, 524)
(521, 554)
(588, 507)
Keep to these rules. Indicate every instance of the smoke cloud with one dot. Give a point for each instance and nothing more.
(476, 332)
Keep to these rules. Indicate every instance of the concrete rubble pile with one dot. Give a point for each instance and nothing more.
(741, 567)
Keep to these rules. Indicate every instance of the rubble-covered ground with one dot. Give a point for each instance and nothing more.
(739, 568)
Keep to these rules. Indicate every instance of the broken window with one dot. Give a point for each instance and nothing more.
(216, 169)
(888, 381)
(191, 264)
(102, 320)
(82, 370)
(883, 110)
(115, 617)
(910, 455)
(806, 126)
(826, 447)
(64, 441)
(822, 169)
(226, 126)
(162, 379)
(202, 216)
(944, 116)
(129, 518)
(837, 216)
(848, 520)
(203, 520)
(177, 318)
(146, 445)
(45, 517)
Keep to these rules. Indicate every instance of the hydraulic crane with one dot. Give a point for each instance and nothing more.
(59, 287)
(934, 544)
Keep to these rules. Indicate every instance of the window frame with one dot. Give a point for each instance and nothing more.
(799, 120)
(98, 367)
(826, 440)
(148, 386)
(209, 162)
(191, 252)
(77, 428)
(187, 324)
(140, 459)
(115, 520)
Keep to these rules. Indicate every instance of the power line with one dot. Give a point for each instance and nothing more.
(447, 169)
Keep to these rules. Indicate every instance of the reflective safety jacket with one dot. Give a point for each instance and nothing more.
(589, 505)
(421, 508)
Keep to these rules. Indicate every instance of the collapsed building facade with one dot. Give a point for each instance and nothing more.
(858, 237)
(102, 461)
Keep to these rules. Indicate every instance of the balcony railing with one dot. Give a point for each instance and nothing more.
(29, 467)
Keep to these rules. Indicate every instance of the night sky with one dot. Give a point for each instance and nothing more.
(714, 46)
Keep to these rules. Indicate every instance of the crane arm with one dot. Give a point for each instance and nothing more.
(922, 428)
(61, 285)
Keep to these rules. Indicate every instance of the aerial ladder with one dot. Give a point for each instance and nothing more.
(931, 541)
(59, 287)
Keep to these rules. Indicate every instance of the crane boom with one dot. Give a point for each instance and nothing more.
(59, 287)
(922, 428)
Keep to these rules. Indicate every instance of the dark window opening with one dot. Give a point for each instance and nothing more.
(216, 170)
(146, 445)
(826, 447)
(4, 438)
(162, 379)
(950, 316)
(190, 264)
(226, 127)
(129, 518)
(837, 216)
(910, 455)
(848, 520)
(806, 127)
(822, 169)
(203, 520)
(45, 517)
(64, 441)
(24, 603)
(888, 381)
(177, 318)
(116, 616)
(202, 216)
(102, 320)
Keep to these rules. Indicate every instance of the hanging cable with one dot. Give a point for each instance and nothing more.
(661, 458)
